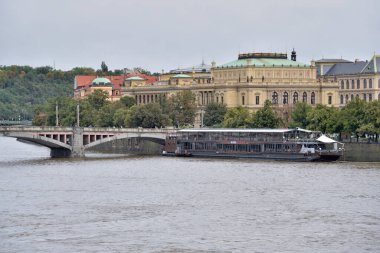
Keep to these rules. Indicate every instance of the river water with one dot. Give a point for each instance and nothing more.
(163, 204)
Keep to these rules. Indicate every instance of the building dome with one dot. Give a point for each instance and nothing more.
(101, 81)
(135, 78)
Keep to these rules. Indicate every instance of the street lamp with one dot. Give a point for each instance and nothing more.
(78, 114)
(202, 117)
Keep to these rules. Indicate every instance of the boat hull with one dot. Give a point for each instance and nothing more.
(264, 156)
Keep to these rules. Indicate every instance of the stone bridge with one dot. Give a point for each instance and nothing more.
(73, 141)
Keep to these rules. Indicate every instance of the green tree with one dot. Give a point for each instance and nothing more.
(266, 117)
(105, 116)
(119, 117)
(128, 101)
(352, 116)
(371, 120)
(104, 67)
(98, 99)
(238, 117)
(323, 118)
(182, 108)
(146, 116)
(214, 114)
(299, 115)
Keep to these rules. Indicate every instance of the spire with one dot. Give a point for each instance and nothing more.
(294, 55)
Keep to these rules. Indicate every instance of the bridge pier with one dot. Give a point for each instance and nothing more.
(77, 148)
(60, 152)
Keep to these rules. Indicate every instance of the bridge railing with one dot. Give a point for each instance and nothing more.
(35, 129)
(85, 129)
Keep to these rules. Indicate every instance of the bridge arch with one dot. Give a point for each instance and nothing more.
(40, 140)
(153, 137)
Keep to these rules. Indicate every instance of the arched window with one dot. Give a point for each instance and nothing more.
(217, 99)
(378, 83)
(342, 85)
(357, 95)
(352, 84)
(274, 98)
(285, 98)
(304, 97)
(378, 97)
(346, 99)
(312, 98)
(370, 97)
(352, 96)
(370, 83)
(243, 100)
(365, 84)
(358, 84)
(222, 99)
(347, 84)
(341, 99)
(295, 97)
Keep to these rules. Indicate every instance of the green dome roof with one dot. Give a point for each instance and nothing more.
(135, 78)
(181, 76)
(101, 80)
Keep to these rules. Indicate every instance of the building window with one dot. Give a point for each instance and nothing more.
(295, 97)
(313, 98)
(243, 100)
(365, 84)
(352, 84)
(285, 98)
(346, 99)
(352, 97)
(378, 83)
(341, 99)
(370, 83)
(257, 100)
(378, 97)
(358, 84)
(304, 97)
(217, 99)
(347, 84)
(275, 98)
(370, 97)
(365, 97)
(342, 85)
(222, 99)
(329, 99)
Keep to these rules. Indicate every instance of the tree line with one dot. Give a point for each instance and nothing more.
(357, 118)
(24, 87)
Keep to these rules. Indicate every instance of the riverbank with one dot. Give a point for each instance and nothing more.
(361, 152)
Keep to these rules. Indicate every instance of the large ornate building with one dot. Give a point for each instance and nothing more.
(356, 79)
(248, 82)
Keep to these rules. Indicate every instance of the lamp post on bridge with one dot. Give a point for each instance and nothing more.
(78, 114)
(56, 114)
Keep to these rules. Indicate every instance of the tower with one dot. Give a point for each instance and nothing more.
(294, 56)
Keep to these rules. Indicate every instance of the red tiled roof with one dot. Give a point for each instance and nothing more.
(83, 81)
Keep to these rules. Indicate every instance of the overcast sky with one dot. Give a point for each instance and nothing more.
(166, 34)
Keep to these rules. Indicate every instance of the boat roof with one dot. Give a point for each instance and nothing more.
(242, 130)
